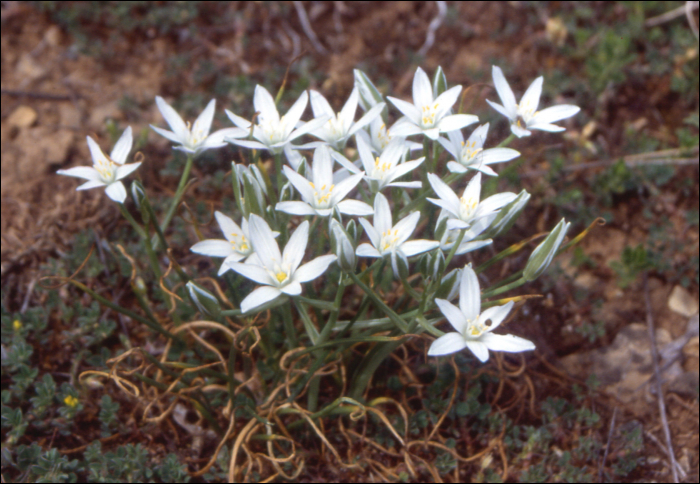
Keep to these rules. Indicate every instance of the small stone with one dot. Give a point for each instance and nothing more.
(22, 117)
(681, 302)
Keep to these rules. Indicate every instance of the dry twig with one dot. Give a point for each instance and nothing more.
(657, 375)
(306, 25)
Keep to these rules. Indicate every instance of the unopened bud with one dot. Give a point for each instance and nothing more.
(440, 228)
(449, 286)
(543, 253)
(342, 247)
(507, 216)
(207, 304)
(138, 192)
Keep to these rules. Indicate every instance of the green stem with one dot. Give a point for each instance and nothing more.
(506, 141)
(454, 248)
(505, 288)
(378, 301)
(146, 240)
(289, 326)
(178, 196)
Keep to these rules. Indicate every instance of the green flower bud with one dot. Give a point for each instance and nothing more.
(449, 286)
(138, 192)
(207, 304)
(507, 216)
(342, 247)
(543, 253)
(440, 228)
(351, 229)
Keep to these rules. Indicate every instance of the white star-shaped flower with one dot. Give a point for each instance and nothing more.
(427, 115)
(279, 273)
(466, 210)
(471, 154)
(527, 111)
(382, 170)
(106, 171)
(194, 139)
(339, 128)
(273, 132)
(235, 248)
(392, 240)
(321, 195)
(471, 325)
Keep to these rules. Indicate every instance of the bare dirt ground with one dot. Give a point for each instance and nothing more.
(55, 93)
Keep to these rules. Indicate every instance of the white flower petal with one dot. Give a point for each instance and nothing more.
(213, 248)
(405, 227)
(237, 120)
(554, 113)
(469, 294)
(447, 344)
(422, 91)
(87, 172)
(504, 92)
(502, 110)
(116, 191)
(456, 121)
(263, 241)
(496, 314)
(371, 232)
(382, 214)
(531, 98)
(443, 190)
(125, 170)
(355, 207)
(453, 315)
(291, 289)
(122, 147)
(254, 273)
(320, 106)
(313, 269)
(296, 246)
(407, 109)
(259, 297)
(415, 247)
(497, 155)
(203, 122)
(265, 104)
(479, 349)
(296, 208)
(366, 250)
(91, 184)
(506, 342)
(173, 119)
(300, 183)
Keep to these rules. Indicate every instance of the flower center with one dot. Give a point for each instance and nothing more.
(428, 116)
(322, 196)
(382, 139)
(380, 168)
(475, 329)
(335, 128)
(389, 239)
(525, 112)
(274, 132)
(281, 277)
(240, 244)
(107, 169)
(469, 151)
(196, 134)
(468, 208)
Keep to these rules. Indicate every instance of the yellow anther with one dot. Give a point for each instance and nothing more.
(281, 276)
